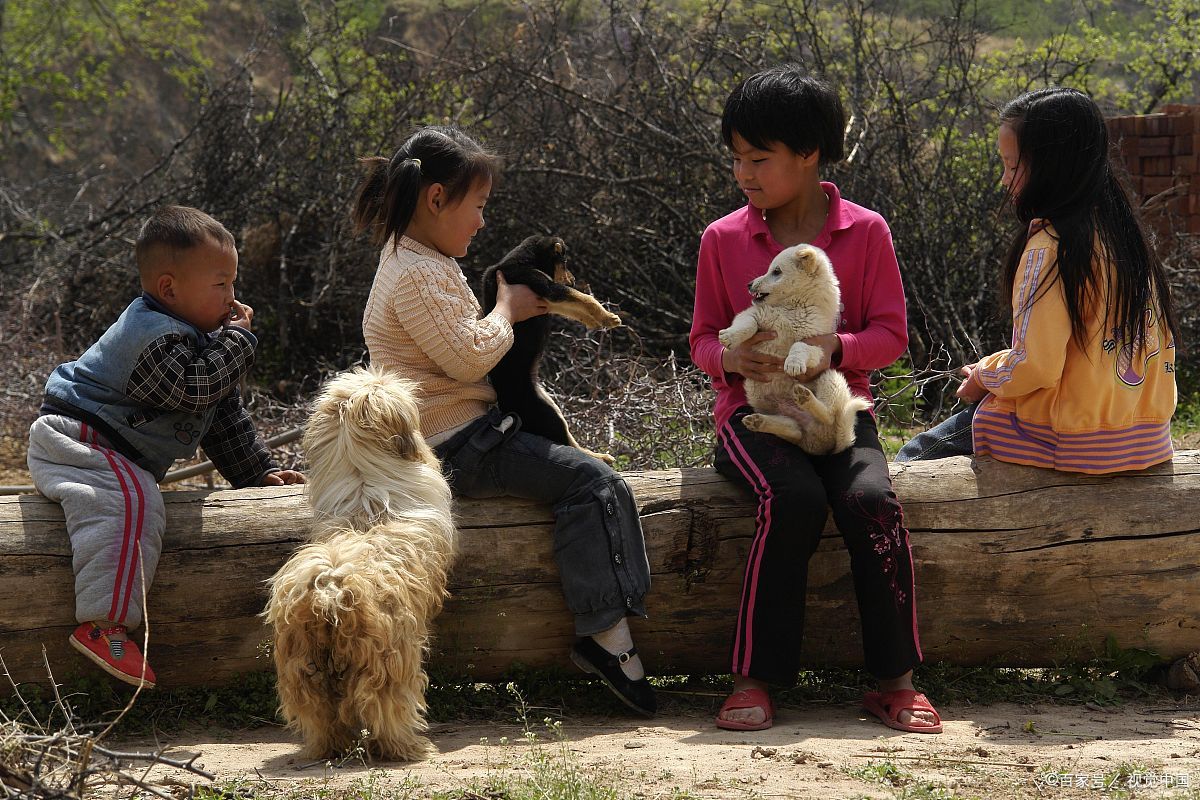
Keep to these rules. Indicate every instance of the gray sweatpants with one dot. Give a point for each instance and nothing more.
(114, 512)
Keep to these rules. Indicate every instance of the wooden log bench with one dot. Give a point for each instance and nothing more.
(1015, 566)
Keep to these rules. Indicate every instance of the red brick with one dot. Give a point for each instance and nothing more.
(1194, 203)
(1182, 124)
(1185, 165)
(1160, 165)
(1181, 146)
(1154, 146)
(1193, 224)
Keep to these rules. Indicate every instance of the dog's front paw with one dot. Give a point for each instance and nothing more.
(605, 457)
(610, 320)
(794, 366)
(797, 364)
(754, 422)
(728, 337)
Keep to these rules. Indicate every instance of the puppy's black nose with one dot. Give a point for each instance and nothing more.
(750, 286)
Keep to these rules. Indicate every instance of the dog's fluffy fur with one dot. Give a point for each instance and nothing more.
(798, 297)
(539, 262)
(351, 610)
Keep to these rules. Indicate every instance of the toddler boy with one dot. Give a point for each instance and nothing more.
(160, 382)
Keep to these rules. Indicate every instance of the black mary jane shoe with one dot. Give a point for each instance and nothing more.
(592, 658)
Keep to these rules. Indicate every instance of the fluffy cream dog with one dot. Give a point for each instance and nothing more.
(351, 610)
(798, 297)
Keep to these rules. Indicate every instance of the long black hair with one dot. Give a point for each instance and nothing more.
(388, 193)
(1068, 180)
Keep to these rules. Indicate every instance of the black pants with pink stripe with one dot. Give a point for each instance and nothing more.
(795, 492)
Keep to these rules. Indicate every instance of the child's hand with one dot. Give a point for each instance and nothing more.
(284, 477)
(971, 389)
(750, 363)
(240, 315)
(517, 302)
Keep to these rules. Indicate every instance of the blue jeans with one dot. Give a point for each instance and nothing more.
(598, 542)
(949, 438)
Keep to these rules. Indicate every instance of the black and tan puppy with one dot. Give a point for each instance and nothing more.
(539, 262)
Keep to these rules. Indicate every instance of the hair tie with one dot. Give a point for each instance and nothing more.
(416, 161)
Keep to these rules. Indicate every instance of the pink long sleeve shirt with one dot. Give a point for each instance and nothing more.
(738, 248)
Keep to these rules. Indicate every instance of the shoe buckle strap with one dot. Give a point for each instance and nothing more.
(627, 656)
(96, 632)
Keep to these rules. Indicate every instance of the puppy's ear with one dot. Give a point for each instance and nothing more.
(808, 260)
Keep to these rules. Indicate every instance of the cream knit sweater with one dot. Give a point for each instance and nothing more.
(422, 322)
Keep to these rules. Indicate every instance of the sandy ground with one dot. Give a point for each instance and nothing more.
(999, 751)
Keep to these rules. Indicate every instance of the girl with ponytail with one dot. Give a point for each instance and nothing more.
(422, 207)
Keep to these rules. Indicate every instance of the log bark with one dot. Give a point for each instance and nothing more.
(1015, 566)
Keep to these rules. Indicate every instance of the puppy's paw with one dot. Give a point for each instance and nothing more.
(802, 394)
(794, 366)
(605, 457)
(728, 338)
(797, 364)
(754, 422)
(610, 320)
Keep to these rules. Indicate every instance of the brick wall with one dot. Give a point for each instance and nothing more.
(1162, 154)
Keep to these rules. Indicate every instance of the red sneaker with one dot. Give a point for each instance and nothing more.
(118, 657)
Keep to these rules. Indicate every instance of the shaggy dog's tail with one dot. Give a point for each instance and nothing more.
(350, 614)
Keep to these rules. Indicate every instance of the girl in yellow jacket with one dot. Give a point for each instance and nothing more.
(1088, 384)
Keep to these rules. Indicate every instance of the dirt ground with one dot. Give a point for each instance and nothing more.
(999, 751)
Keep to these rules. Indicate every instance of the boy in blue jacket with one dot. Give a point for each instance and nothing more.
(160, 382)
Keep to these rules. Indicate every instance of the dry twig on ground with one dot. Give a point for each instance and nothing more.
(60, 758)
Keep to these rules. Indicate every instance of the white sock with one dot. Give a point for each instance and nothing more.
(618, 639)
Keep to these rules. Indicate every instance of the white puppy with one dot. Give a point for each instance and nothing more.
(797, 298)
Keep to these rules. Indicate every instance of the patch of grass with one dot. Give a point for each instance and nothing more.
(546, 770)
(1186, 421)
(1113, 676)
(249, 702)
(888, 774)
(376, 785)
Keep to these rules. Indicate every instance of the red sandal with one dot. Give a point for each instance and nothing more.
(888, 705)
(747, 698)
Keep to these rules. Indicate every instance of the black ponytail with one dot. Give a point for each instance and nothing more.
(388, 194)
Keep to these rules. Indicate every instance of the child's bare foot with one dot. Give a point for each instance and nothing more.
(898, 705)
(748, 706)
(926, 718)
